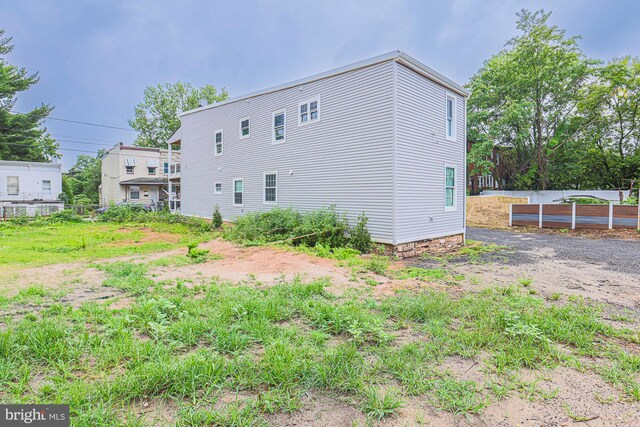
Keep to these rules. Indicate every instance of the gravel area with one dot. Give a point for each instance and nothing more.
(614, 255)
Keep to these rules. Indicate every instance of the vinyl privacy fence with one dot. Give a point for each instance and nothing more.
(575, 216)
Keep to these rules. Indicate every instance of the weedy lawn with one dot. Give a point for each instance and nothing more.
(215, 352)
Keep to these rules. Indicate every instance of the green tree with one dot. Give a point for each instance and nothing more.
(525, 97)
(21, 135)
(157, 116)
(611, 124)
(82, 182)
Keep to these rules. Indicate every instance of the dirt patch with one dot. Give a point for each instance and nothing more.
(490, 211)
(260, 265)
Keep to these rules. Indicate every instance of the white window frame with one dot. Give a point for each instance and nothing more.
(264, 188)
(455, 188)
(165, 168)
(215, 187)
(17, 186)
(43, 189)
(241, 136)
(126, 170)
(233, 192)
(308, 103)
(215, 144)
(273, 127)
(154, 168)
(450, 97)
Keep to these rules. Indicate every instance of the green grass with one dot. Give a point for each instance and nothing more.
(270, 346)
(30, 246)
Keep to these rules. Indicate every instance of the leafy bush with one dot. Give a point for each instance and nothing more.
(197, 255)
(360, 236)
(318, 227)
(216, 219)
(66, 215)
(584, 201)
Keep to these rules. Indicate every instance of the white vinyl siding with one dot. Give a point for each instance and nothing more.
(271, 187)
(379, 148)
(245, 130)
(238, 192)
(218, 138)
(422, 153)
(279, 134)
(13, 185)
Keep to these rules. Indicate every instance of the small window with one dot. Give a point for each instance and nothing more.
(152, 171)
(244, 128)
(218, 188)
(238, 191)
(165, 167)
(450, 189)
(270, 187)
(309, 111)
(13, 185)
(134, 193)
(46, 187)
(218, 139)
(451, 117)
(129, 169)
(279, 124)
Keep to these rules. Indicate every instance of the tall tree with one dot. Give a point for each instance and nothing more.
(156, 117)
(22, 136)
(611, 113)
(525, 96)
(81, 184)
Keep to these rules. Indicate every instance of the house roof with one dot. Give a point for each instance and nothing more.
(145, 181)
(22, 163)
(396, 55)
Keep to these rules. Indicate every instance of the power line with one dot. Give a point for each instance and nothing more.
(83, 123)
(92, 152)
(89, 124)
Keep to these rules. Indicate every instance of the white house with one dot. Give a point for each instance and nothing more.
(29, 188)
(384, 136)
(135, 175)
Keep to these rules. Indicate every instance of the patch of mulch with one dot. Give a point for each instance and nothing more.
(616, 233)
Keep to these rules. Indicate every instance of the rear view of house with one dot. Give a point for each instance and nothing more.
(135, 175)
(384, 136)
(29, 188)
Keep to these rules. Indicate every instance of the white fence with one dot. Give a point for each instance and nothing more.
(552, 196)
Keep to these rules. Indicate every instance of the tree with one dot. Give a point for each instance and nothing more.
(157, 116)
(21, 135)
(82, 182)
(611, 130)
(525, 97)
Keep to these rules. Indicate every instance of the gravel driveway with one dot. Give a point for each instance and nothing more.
(604, 270)
(615, 255)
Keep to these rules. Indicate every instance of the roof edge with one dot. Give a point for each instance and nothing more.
(395, 55)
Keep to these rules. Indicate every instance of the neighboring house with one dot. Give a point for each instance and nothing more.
(384, 136)
(494, 179)
(135, 175)
(29, 188)
(174, 171)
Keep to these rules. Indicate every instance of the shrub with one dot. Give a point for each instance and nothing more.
(196, 254)
(66, 215)
(360, 236)
(216, 219)
(318, 227)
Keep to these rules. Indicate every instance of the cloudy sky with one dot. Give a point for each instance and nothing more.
(96, 57)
